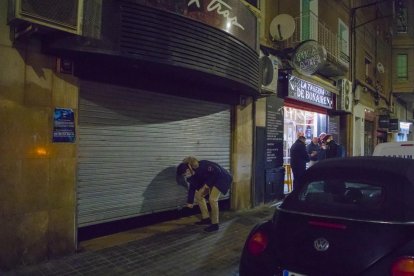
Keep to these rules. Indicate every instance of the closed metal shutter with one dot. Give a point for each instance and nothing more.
(130, 142)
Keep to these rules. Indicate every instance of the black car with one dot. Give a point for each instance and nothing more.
(348, 216)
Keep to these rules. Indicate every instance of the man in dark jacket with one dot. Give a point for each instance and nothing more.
(205, 178)
(298, 159)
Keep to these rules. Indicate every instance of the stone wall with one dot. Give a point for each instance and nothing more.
(37, 177)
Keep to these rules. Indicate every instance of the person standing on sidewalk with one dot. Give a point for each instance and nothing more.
(298, 159)
(313, 149)
(331, 146)
(205, 178)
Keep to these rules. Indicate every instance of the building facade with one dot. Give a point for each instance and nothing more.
(359, 68)
(402, 68)
(100, 104)
(102, 100)
(312, 45)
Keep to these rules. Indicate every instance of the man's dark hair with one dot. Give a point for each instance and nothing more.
(182, 168)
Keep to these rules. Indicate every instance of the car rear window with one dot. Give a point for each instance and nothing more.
(347, 194)
(340, 197)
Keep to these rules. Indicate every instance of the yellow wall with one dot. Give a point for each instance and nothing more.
(242, 156)
(37, 177)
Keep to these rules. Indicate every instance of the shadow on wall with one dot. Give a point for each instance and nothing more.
(162, 200)
(163, 192)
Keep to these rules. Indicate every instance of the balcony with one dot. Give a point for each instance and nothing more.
(310, 27)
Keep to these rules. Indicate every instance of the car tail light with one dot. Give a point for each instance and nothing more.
(257, 243)
(403, 267)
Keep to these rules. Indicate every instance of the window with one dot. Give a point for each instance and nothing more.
(368, 69)
(254, 3)
(402, 67)
(342, 193)
(401, 16)
(343, 32)
(309, 19)
(333, 196)
(308, 123)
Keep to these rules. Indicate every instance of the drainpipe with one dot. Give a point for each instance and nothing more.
(353, 50)
(353, 35)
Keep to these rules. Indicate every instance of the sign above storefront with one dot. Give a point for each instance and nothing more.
(309, 57)
(305, 91)
(231, 16)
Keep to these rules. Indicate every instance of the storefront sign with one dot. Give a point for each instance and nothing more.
(309, 57)
(308, 92)
(383, 121)
(274, 132)
(231, 16)
(393, 125)
(63, 125)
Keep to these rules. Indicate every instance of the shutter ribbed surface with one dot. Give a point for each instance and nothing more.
(129, 144)
(160, 36)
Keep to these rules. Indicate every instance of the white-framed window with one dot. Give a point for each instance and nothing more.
(402, 67)
(343, 36)
(309, 20)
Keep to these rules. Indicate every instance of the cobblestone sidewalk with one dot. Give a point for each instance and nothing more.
(182, 249)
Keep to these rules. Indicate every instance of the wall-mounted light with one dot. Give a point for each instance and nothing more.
(41, 151)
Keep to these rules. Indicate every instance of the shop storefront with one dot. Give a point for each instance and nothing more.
(404, 131)
(305, 112)
(129, 142)
(159, 84)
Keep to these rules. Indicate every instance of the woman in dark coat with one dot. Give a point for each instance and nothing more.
(331, 146)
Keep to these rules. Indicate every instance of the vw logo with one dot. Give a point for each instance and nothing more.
(321, 244)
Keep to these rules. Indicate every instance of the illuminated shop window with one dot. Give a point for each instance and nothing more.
(301, 122)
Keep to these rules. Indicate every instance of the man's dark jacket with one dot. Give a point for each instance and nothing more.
(313, 147)
(298, 158)
(209, 173)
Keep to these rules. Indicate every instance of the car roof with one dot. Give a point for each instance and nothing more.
(399, 166)
(395, 149)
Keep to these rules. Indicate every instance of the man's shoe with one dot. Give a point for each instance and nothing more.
(212, 228)
(204, 221)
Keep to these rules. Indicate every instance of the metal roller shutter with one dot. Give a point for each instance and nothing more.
(130, 142)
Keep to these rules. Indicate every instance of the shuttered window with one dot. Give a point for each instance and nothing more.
(402, 67)
(130, 142)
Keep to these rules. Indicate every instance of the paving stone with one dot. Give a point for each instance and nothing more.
(182, 250)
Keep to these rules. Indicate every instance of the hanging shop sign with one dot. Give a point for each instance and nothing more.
(63, 125)
(231, 16)
(305, 91)
(309, 57)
